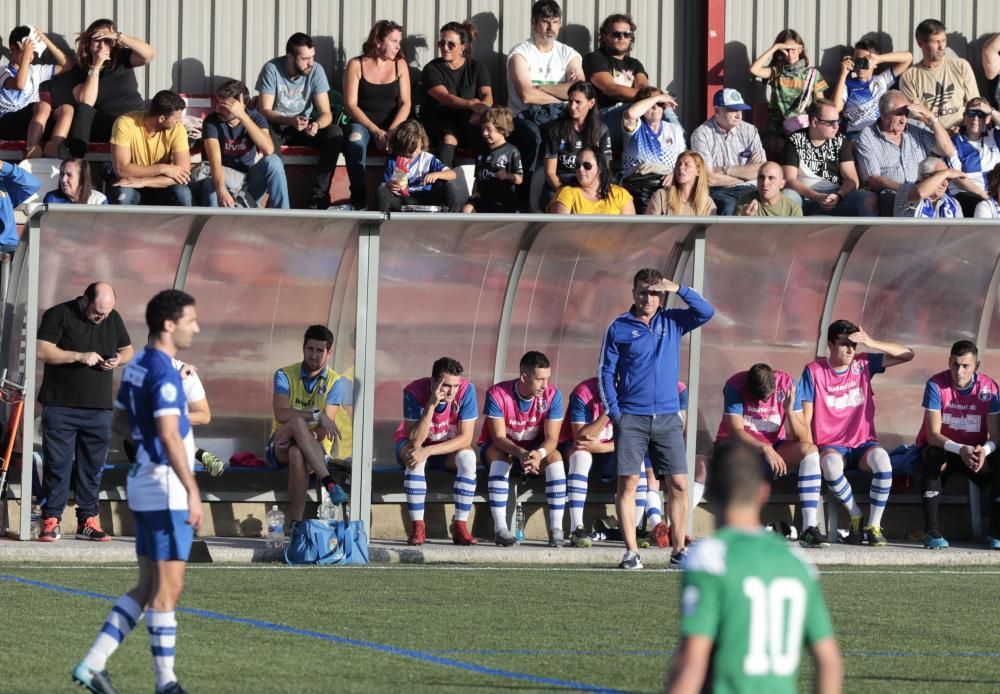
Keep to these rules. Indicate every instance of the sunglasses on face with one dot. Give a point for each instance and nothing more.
(976, 114)
(622, 34)
(585, 165)
(832, 122)
(450, 45)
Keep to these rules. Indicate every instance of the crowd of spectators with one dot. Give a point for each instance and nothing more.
(844, 146)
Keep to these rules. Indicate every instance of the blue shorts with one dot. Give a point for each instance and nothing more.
(435, 462)
(270, 456)
(163, 535)
(852, 456)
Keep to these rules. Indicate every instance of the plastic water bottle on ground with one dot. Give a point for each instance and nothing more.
(36, 521)
(275, 527)
(519, 523)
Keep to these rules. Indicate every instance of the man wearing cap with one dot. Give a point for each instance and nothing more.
(731, 148)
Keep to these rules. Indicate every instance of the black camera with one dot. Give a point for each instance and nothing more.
(861, 63)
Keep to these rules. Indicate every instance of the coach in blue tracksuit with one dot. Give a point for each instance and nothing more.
(16, 186)
(638, 382)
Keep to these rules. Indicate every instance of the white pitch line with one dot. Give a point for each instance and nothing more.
(442, 567)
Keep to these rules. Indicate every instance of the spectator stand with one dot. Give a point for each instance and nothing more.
(298, 160)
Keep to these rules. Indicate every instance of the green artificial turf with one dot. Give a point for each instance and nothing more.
(901, 630)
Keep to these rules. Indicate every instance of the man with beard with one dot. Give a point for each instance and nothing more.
(293, 98)
(307, 396)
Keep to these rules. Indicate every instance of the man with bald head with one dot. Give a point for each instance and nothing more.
(890, 150)
(767, 200)
(80, 342)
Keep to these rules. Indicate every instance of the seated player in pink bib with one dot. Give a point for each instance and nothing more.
(959, 434)
(587, 438)
(837, 402)
(523, 419)
(439, 421)
(758, 413)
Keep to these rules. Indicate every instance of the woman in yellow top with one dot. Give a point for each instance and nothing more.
(593, 192)
(687, 193)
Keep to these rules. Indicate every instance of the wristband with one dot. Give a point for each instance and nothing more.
(544, 453)
(315, 416)
(953, 447)
(989, 447)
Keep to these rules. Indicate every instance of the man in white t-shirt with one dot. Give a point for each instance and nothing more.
(540, 71)
(198, 413)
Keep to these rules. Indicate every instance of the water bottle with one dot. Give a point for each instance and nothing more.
(519, 523)
(36, 521)
(275, 527)
(325, 510)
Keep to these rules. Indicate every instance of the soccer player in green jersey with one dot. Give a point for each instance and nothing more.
(748, 601)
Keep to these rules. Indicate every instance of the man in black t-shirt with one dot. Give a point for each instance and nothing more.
(818, 165)
(231, 138)
(80, 342)
(616, 75)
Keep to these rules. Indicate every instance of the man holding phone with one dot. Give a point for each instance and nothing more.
(80, 343)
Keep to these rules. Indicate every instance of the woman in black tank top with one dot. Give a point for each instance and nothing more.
(377, 98)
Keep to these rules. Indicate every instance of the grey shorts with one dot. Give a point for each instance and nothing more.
(661, 436)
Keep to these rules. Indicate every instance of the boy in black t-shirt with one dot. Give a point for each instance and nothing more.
(499, 170)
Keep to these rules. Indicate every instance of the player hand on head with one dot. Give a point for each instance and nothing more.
(438, 394)
(860, 337)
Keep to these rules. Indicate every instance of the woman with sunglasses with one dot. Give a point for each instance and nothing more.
(652, 145)
(976, 151)
(565, 137)
(459, 91)
(687, 193)
(858, 89)
(104, 85)
(785, 68)
(377, 99)
(591, 191)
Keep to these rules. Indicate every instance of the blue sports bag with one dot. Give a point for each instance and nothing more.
(328, 542)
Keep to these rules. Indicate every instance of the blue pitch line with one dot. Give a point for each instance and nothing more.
(371, 645)
(547, 651)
